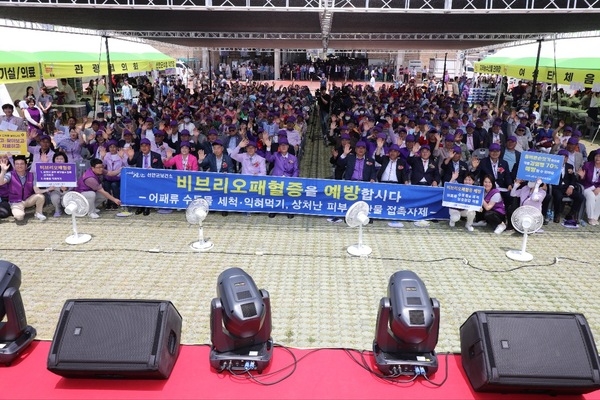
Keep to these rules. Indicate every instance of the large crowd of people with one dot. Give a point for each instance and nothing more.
(407, 133)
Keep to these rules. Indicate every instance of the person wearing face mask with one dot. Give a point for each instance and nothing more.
(186, 123)
(530, 193)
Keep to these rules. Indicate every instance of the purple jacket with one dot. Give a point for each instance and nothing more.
(499, 206)
(18, 192)
(586, 181)
(283, 166)
(81, 186)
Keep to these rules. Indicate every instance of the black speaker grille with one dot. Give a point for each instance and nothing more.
(243, 295)
(129, 327)
(538, 346)
(248, 310)
(416, 317)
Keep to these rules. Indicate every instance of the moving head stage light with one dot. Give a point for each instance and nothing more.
(407, 328)
(15, 334)
(240, 324)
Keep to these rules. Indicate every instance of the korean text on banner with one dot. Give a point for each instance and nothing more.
(55, 174)
(14, 143)
(547, 167)
(463, 197)
(268, 194)
(24, 72)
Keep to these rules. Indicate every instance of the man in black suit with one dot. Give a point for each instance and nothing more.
(144, 159)
(453, 163)
(495, 135)
(498, 168)
(424, 170)
(336, 152)
(566, 187)
(359, 166)
(393, 168)
(471, 139)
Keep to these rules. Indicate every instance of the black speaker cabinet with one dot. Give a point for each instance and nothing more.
(532, 352)
(116, 339)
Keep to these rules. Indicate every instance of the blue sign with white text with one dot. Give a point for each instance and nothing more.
(165, 188)
(547, 167)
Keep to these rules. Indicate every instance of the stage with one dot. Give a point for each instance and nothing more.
(318, 374)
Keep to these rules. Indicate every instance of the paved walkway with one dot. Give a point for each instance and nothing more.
(320, 295)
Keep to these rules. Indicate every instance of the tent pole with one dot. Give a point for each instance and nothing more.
(111, 92)
(444, 83)
(536, 71)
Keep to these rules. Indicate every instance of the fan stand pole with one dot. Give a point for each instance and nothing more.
(77, 238)
(74, 219)
(359, 249)
(520, 255)
(201, 244)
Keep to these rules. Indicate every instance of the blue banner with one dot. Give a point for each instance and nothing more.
(547, 167)
(55, 174)
(268, 194)
(463, 197)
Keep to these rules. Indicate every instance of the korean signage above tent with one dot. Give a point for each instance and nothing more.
(573, 62)
(75, 69)
(66, 55)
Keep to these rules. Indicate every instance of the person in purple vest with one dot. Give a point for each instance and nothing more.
(4, 204)
(493, 210)
(284, 164)
(22, 193)
(90, 186)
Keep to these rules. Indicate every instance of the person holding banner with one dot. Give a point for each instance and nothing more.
(90, 186)
(57, 193)
(22, 193)
(590, 179)
(456, 214)
(9, 121)
(530, 193)
(145, 158)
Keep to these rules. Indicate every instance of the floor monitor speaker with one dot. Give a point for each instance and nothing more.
(533, 352)
(116, 339)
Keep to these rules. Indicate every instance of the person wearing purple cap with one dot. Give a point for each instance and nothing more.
(423, 166)
(544, 138)
(41, 150)
(441, 153)
(251, 162)
(452, 164)
(184, 161)
(90, 186)
(159, 145)
(495, 135)
(511, 155)
(471, 138)
(575, 157)
(393, 168)
(338, 172)
(217, 161)
(293, 136)
(589, 175)
(358, 166)
(145, 158)
(283, 163)
(567, 187)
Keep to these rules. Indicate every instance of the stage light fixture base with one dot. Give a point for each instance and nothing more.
(9, 351)
(404, 363)
(359, 250)
(80, 238)
(202, 246)
(518, 255)
(251, 358)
